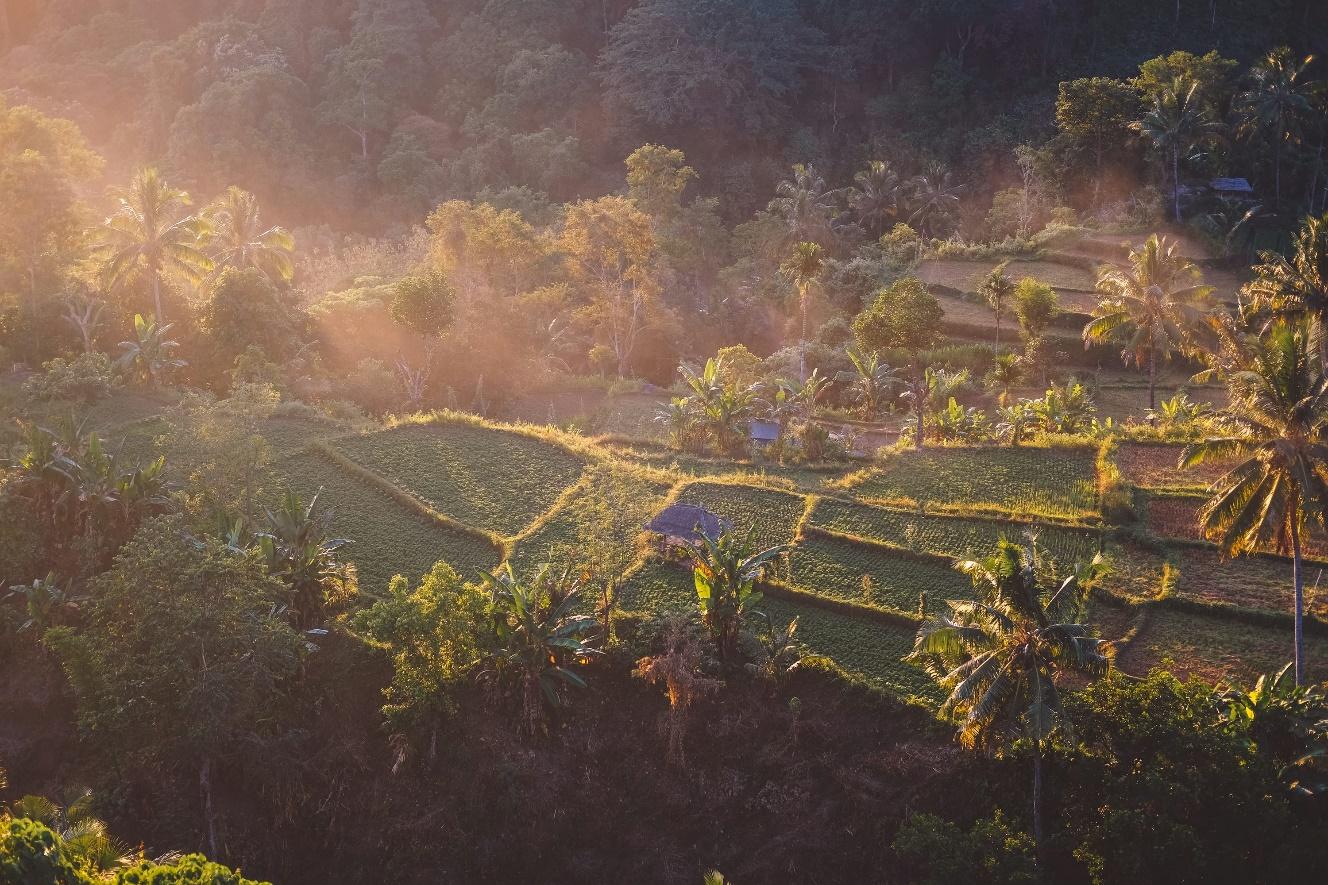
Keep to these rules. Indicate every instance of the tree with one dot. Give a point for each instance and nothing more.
(183, 656)
(1001, 655)
(149, 352)
(934, 201)
(875, 196)
(1176, 127)
(608, 518)
(904, 316)
(1279, 414)
(997, 289)
(672, 63)
(1006, 371)
(610, 247)
(151, 233)
(1295, 288)
(423, 304)
(1277, 105)
(807, 205)
(803, 267)
(434, 632)
(44, 162)
(537, 637)
(1210, 72)
(243, 309)
(725, 572)
(656, 179)
(1095, 112)
(237, 237)
(1035, 306)
(1154, 309)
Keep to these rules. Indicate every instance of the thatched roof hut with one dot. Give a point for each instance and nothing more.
(687, 523)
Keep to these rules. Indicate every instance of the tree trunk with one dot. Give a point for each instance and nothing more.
(998, 332)
(802, 336)
(156, 296)
(1175, 182)
(1277, 176)
(1298, 578)
(1038, 833)
(920, 406)
(1152, 385)
(209, 816)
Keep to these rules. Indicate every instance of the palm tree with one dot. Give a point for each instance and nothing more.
(806, 204)
(1006, 371)
(150, 350)
(725, 574)
(1298, 287)
(872, 381)
(1176, 126)
(150, 232)
(875, 196)
(239, 239)
(1001, 654)
(1279, 101)
(803, 267)
(1156, 307)
(934, 199)
(997, 289)
(1277, 411)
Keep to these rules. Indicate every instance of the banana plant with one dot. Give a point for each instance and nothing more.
(538, 637)
(725, 576)
(150, 352)
(299, 552)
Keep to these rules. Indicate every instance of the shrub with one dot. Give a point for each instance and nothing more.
(938, 852)
(372, 387)
(86, 378)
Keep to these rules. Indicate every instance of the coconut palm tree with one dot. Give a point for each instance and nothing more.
(997, 290)
(875, 195)
(1279, 417)
(1001, 655)
(1155, 308)
(239, 239)
(933, 199)
(725, 572)
(1279, 102)
(151, 233)
(1177, 127)
(806, 204)
(1006, 371)
(803, 267)
(1297, 287)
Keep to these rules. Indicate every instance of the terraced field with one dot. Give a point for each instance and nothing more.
(1155, 467)
(1216, 649)
(388, 537)
(771, 515)
(483, 477)
(1255, 582)
(1023, 482)
(946, 535)
(836, 567)
(869, 649)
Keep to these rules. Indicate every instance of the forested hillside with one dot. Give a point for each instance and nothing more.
(364, 114)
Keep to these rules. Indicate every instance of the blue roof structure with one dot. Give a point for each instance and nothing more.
(763, 431)
(688, 522)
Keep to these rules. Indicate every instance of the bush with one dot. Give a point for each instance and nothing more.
(372, 387)
(86, 378)
(937, 852)
(31, 854)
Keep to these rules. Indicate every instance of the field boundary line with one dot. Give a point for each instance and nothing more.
(788, 593)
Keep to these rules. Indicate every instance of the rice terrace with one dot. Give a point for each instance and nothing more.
(663, 441)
